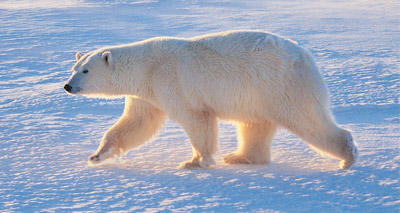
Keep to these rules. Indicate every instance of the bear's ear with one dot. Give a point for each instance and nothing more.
(78, 56)
(106, 56)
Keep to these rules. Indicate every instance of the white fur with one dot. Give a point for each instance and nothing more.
(257, 79)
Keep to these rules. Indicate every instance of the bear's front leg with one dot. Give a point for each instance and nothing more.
(202, 130)
(138, 124)
(108, 147)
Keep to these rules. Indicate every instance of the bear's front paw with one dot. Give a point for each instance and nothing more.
(94, 159)
(233, 158)
(189, 165)
(103, 155)
(197, 163)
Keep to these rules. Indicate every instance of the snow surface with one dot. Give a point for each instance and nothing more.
(47, 135)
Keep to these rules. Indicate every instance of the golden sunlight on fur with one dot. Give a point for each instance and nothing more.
(259, 80)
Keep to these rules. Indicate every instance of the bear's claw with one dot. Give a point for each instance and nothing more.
(94, 158)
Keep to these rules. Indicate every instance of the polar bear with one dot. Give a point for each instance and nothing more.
(256, 79)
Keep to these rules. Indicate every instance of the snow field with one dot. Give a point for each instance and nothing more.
(47, 135)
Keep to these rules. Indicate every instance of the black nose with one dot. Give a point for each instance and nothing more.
(68, 87)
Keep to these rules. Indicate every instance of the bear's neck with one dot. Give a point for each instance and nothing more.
(133, 72)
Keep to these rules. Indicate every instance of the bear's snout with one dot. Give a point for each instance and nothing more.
(68, 88)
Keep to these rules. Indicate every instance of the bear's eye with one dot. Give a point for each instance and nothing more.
(85, 71)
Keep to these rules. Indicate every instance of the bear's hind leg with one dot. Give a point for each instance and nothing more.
(139, 123)
(254, 144)
(324, 135)
(202, 130)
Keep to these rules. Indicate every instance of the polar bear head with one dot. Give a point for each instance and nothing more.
(92, 75)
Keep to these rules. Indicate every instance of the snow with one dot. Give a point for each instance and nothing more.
(46, 135)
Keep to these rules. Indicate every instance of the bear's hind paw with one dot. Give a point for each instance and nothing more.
(233, 158)
(346, 164)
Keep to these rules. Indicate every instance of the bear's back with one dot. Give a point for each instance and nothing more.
(243, 42)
